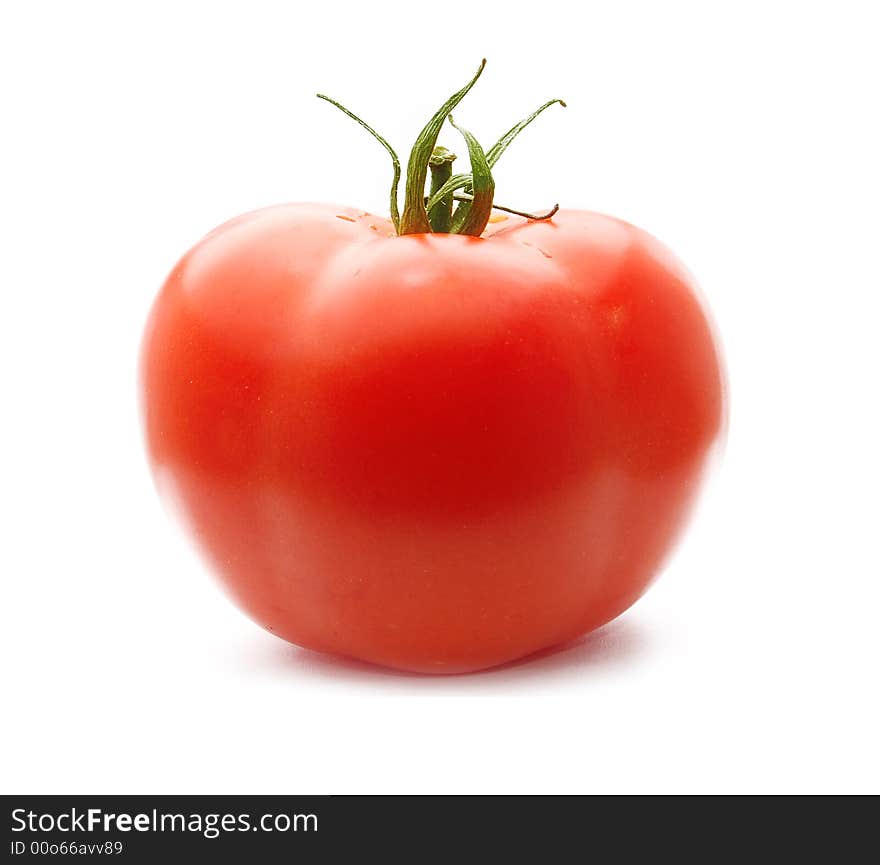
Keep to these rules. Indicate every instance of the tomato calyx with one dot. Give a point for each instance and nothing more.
(474, 191)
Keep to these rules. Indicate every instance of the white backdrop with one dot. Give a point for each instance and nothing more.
(744, 135)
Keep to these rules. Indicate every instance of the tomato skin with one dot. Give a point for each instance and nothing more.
(432, 452)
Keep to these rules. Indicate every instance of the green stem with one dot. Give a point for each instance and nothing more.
(415, 218)
(456, 182)
(434, 213)
(440, 164)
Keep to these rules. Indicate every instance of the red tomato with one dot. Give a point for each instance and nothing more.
(433, 452)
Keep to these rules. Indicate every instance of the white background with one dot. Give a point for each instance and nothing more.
(744, 135)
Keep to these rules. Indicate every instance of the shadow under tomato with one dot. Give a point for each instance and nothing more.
(616, 644)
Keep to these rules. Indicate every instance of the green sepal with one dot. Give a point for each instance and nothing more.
(479, 210)
(415, 217)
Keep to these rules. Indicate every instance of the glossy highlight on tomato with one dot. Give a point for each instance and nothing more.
(432, 451)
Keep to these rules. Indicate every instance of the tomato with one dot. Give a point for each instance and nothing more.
(433, 452)
(438, 442)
